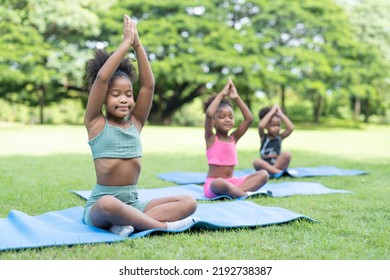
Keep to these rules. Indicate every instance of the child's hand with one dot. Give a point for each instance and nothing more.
(226, 89)
(233, 91)
(276, 110)
(137, 41)
(279, 111)
(130, 35)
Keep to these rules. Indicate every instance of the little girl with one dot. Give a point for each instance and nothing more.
(272, 159)
(114, 139)
(221, 146)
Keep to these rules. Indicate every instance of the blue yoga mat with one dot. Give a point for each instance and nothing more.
(182, 178)
(297, 172)
(65, 227)
(236, 214)
(269, 189)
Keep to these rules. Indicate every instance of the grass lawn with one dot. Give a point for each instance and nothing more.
(40, 164)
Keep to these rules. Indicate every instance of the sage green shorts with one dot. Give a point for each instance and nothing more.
(126, 194)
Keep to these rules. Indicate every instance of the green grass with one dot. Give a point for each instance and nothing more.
(40, 164)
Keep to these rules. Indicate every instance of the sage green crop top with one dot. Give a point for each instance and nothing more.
(116, 142)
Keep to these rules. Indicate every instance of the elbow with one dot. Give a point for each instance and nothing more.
(250, 118)
(209, 113)
(151, 82)
(148, 88)
(152, 85)
(148, 82)
(102, 79)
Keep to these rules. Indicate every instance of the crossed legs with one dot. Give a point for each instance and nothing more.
(252, 182)
(282, 162)
(108, 211)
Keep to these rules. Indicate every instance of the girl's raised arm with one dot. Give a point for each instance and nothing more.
(212, 109)
(288, 123)
(99, 87)
(265, 120)
(145, 96)
(248, 117)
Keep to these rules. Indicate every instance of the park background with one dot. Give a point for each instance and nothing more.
(320, 60)
(325, 62)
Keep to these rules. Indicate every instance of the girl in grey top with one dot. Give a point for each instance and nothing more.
(272, 159)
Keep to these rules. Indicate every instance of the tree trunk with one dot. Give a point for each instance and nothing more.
(283, 98)
(155, 117)
(357, 109)
(317, 102)
(160, 118)
(367, 111)
(42, 105)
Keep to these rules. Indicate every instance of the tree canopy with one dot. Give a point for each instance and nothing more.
(317, 49)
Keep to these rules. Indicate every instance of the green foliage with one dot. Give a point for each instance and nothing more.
(370, 22)
(316, 48)
(69, 111)
(266, 46)
(43, 49)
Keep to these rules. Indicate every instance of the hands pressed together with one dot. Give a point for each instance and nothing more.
(130, 34)
(230, 89)
(277, 110)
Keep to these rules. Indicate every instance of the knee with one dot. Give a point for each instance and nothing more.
(106, 203)
(189, 203)
(263, 175)
(257, 164)
(287, 155)
(218, 183)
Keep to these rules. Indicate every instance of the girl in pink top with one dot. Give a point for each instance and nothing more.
(221, 146)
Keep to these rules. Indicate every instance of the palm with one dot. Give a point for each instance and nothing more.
(129, 31)
(233, 93)
(225, 90)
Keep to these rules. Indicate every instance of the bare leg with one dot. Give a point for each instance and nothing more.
(283, 161)
(175, 210)
(255, 181)
(172, 208)
(223, 187)
(108, 211)
(260, 164)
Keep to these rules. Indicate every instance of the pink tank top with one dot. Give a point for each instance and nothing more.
(222, 153)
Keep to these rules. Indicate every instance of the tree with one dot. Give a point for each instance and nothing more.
(371, 22)
(303, 40)
(192, 49)
(275, 47)
(43, 49)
